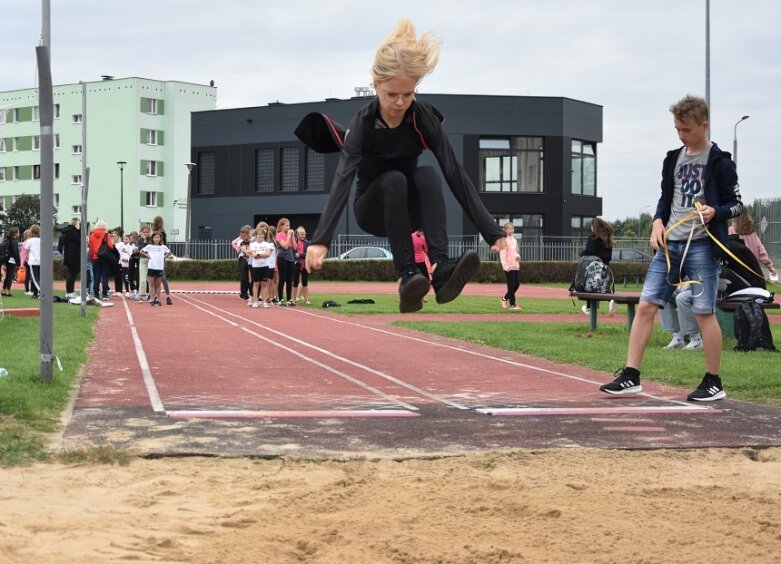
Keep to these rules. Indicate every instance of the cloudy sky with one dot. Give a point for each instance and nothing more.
(632, 58)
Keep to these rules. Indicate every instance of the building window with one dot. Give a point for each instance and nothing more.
(76, 179)
(56, 170)
(15, 115)
(16, 174)
(77, 149)
(16, 144)
(36, 142)
(289, 172)
(36, 172)
(151, 137)
(513, 164)
(315, 171)
(151, 168)
(581, 226)
(3, 115)
(77, 118)
(2, 144)
(2, 174)
(584, 168)
(207, 178)
(152, 106)
(151, 199)
(36, 113)
(56, 140)
(56, 111)
(56, 201)
(264, 170)
(528, 227)
(76, 209)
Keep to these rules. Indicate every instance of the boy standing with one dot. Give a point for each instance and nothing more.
(699, 177)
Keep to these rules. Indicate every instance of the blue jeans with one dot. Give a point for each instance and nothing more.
(701, 266)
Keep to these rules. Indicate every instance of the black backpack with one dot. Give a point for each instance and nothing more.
(752, 329)
(593, 276)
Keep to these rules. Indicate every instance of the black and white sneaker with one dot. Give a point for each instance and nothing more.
(710, 389)
(413, 287)
(622, 384)
(450, 276)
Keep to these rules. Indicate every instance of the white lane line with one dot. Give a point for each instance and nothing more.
(149, 381)
(320, 414)
(596, 410)
(483, 355)
(360, 366)
(288, 350)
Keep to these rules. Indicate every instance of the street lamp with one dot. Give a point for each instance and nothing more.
(121, 165)
(735, 140)
(190, 167)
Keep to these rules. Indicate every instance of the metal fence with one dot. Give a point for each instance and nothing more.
(767, 222)
(766, 214)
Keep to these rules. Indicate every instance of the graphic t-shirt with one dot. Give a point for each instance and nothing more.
(156, 256)
(690, 173)
(260, 247)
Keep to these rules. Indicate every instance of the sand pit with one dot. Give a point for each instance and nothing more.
(568, 505)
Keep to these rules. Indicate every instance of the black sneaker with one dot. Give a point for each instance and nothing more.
(412, 288)
(622, 384)
(450, 276)
(168, 301)
(710, 389)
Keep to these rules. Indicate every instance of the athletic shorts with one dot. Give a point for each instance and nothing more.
(260, 273)
(154, 273)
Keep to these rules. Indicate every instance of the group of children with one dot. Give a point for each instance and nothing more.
(139, 272)
(272, 264)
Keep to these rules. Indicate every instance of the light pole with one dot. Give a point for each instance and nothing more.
(121, 165)
(735, 140)
(190, 167)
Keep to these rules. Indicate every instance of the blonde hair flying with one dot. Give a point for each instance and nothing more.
(402, 54)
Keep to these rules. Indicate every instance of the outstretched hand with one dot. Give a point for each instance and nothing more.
(499, 244)
(315, 254)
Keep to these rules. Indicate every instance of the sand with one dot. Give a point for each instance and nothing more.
(566, 505)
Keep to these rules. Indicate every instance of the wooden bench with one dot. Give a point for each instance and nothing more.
(631, 300)
(592, 301)
(732, 306)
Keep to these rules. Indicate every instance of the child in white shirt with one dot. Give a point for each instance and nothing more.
(156, 252)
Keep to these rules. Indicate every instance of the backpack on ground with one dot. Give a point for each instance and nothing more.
(752, 329)
(592, 275)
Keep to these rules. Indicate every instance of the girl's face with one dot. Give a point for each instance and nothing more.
(301, 234)
(157, 238)
(396, 96)
(509, 229)
(145, 233)
(245, 236)
(126, 239)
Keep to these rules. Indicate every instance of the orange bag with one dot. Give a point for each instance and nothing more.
(21, 275)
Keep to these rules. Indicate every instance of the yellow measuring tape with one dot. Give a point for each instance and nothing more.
(693, 216)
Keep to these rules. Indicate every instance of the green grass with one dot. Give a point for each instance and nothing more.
(748, 376)
(29, 407)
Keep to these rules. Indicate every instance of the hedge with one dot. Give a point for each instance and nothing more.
(382, 271)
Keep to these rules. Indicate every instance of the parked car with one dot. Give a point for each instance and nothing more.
(367, 253)
(625, 254)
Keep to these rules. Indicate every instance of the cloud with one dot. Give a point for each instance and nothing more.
(632, 58)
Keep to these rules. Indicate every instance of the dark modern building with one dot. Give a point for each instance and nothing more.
(533, 159)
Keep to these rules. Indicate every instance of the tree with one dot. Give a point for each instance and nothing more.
(23, 213)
